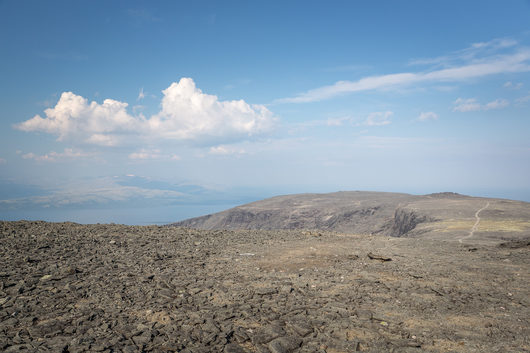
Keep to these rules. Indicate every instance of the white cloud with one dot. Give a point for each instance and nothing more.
(425, 116)
(472, 68)
(141, 95)
(338, 121)
(187, 114)
(389, 142)
(522, 100)
(76, 119)
(2, 161)
(512, 85)
(466, 105)
(67, 154)
(497, 43)
(467, 54)
(496, 104)
(145, 154)
(378, 118)
(224, 150)
(471, 104)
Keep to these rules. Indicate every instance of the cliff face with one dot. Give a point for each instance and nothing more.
(348, 212)
(406, 220)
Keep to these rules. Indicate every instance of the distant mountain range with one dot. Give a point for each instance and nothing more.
(441, 215)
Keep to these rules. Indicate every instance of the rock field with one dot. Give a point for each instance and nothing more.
(66, 287)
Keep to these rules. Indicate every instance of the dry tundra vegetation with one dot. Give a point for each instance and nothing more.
(418, 274)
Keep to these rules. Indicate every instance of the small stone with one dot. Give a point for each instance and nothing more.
(267, 334)
(234, 348)
(46, 278)
(266, 291)
(300, 328)
(142, 339)
(285, 344)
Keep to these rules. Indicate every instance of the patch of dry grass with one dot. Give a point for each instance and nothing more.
(485, 225)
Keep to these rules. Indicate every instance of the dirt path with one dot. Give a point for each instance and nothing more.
(475, 226)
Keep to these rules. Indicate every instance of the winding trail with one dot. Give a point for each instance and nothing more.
(475, 226)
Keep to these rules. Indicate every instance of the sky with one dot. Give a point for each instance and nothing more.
(142, 112)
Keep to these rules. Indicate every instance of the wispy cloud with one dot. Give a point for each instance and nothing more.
(2, 161)
(474, 67)
(522, 100)
(225, 150)
(143, 16)
(513, 85)
(145, 154)
(187, 115)
(378, 118)
(474, 51)
(426, 116)
(389, 142)
(471, 104)
(141, 94)
(338, 121)
(67, 154)
(496, 104)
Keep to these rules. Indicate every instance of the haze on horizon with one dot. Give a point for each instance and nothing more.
(151, 112)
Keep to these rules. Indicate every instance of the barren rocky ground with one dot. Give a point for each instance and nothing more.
(73, 288)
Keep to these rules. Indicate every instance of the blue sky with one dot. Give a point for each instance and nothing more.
(151, 112)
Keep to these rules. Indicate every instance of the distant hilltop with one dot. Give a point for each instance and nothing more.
(444, 215)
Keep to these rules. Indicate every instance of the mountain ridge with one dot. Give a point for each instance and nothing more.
(370, 212)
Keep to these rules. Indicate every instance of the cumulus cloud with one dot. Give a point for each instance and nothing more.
(471, 104)
(187, 114)
(480, 60)
(67, 154)
(425, 116)
(378, 118)
(73, 117)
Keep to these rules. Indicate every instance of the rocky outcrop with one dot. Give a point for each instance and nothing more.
(356, 212)
(349, 212)
(406, 220)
